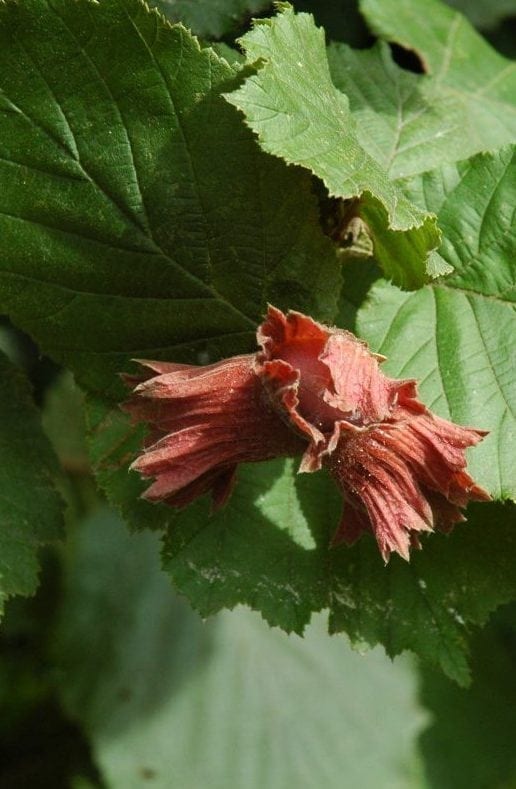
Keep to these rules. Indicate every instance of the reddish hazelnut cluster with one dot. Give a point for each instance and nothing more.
(318, 393)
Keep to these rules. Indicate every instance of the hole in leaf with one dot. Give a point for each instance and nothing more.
(407, 59)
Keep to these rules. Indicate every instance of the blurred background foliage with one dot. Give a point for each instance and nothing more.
(108, 679)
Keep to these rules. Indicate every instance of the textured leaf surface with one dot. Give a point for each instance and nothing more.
(210, 18)
(465, 104)
(410, 123)
(30, 507)
(258, 550)
(268, 548)
(227, 703)
(429, 604)
(299, 115)
(458, 336)
(138, 217)
(255, 551)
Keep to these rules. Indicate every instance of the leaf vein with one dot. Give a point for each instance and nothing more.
(488, 356)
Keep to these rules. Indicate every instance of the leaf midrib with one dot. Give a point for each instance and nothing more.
(475, 293)
(121, 209)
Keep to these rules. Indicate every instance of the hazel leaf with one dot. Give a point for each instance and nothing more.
(214, 692)
(457, 336)
(210, 18)
(30, 507)
(138, 217)
(463, 103)
(299, 115)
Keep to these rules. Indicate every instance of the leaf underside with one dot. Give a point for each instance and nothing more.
(464, 104)
(457, 336)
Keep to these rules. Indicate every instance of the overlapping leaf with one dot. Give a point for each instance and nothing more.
(429, 604)
(458, 335)
(268, 548)
(410, 122)
(210, 18)
(260, 549)
(209, 711)
(299, 115)
(138, 217)
(450, 48)
(30, 507)
(245, 553)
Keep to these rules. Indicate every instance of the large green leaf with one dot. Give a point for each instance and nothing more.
(410, 123)
(30, 507)
(210, 18)
(259, 550)
(470, 743)
(138, 217)
(429, 604)
(299, 115)
(458, 336)
(171, 701)
(268, 548)
(254, 553)
(477, 84)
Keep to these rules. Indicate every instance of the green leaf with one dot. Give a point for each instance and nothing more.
(482, 14)
(428, 605)
(458, 335)
(227, 703)
(445, 42)
(113, 444)
(30, 508)
(471, 740)
(264, 550)
(210, 18)
(138, 217)
(410, 123)
(269, 548)
(258, 550)
(468, 96)
(63, 422)
(299, 115)
(233, 56)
